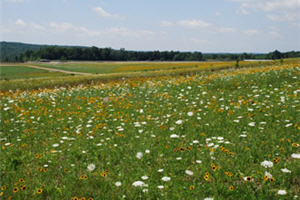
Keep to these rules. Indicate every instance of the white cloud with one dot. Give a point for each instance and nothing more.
(227, 30)
(276, 10)
(105, 14)
(283, 17)
(166, 23)
(242, 10)
(193, 23)
(20, 22)
(275, 34)
(251, 32)
(126, 32)
(61, 27)
(276, 5)
(21, 27)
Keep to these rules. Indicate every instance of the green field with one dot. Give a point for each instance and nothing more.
(230, 134)
(121, 67)
(23, 72)
(107, 71)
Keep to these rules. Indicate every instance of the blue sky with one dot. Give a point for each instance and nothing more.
(184, 25)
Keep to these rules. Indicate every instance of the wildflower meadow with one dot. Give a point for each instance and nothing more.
(229, 134)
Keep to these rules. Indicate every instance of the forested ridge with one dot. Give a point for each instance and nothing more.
(11, 52)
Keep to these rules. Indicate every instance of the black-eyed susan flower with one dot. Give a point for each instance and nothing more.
(231, 188)
(295, 145)
(272, 179)
(38, 156)
(75, 198)
(192, 187)
(90, 198)
(248, 179)
(66, 170)
(15, 189)
(21, 180)
(3, 188)
(206, 178)
(281, 149)
(39, 190)
(266, 178)
(23, 187)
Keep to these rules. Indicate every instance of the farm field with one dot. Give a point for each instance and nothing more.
(22, 72)
(230, 134)
(105, 71)
(123, 67)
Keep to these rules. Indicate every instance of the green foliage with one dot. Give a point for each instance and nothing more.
(23, 72)
(29, 52)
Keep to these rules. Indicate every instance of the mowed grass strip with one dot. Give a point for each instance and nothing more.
(23, 72)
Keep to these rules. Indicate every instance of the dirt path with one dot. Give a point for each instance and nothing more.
(59, 70)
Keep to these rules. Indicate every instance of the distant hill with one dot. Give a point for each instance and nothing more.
(9, 51)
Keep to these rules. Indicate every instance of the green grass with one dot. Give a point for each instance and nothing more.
(125, 67)
(23, 72)
(50, 137)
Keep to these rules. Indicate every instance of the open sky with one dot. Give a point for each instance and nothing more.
(184, 25)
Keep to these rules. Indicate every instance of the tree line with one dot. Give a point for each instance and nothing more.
(107, 54)
(19, 52)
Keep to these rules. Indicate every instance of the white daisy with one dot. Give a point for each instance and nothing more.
(166, 179)
(285, 170)
(91, 167)
(139, 184)
(281, 192)
(118, 183)
(174, 136)
(295, 155)
(160, 187)
(267, 164)
(178, 122)
(189, 172)
(139, 155)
